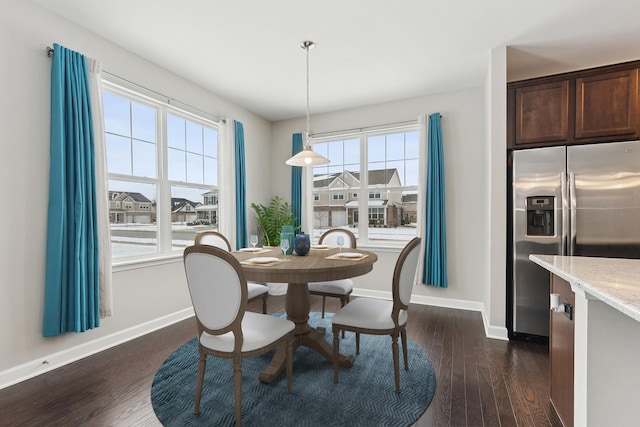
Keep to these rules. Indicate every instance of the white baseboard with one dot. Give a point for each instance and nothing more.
(495, 332)
(53, 361)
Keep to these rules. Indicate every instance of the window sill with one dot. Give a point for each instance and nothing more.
(377, 247)
(132, 264)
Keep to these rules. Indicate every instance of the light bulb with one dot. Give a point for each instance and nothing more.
(307, 160)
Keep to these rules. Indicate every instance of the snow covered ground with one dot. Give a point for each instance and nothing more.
(122, 246)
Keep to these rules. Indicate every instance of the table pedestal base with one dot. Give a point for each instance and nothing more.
(297, 306)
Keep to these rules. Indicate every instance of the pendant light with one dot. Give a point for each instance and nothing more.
(307, 157)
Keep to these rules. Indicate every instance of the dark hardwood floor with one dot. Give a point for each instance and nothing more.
(480, 382)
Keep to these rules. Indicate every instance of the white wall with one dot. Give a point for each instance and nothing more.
(496, 193)
(465, 176)
(144, 297)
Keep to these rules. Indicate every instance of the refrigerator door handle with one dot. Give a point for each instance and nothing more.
(565, 213)
(572, 208)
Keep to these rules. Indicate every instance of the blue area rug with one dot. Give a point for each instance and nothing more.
(365, 395)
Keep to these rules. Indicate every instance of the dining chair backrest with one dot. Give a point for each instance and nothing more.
(217, 287)
(330, 238)
(405, 273)
(213, 238)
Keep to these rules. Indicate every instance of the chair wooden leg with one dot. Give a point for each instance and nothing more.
(237, 386)
(202, 364)
(403, 334)
(357, 342)
(289, 363)
(323, 300)
(343, 302)
(396, 360)
(336, 354)
(264, 304)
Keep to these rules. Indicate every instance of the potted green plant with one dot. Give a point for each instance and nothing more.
(271, 218)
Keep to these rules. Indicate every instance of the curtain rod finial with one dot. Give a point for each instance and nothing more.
(49, 51)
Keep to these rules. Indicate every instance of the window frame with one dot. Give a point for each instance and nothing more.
(361, 193)
(164, 229)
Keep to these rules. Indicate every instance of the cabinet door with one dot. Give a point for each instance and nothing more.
(561, 351)
(542, 113)
(606, 104)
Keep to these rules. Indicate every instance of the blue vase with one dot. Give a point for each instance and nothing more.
(302, 244)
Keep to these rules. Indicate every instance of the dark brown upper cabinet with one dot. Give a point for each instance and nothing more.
(607, 104)
(542, 113)
(594, 105)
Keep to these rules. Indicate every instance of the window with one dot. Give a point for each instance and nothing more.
(380, 171)
(162, 169)
(376, 213)
(210, 199)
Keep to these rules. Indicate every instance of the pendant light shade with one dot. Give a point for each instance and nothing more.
(307, 157)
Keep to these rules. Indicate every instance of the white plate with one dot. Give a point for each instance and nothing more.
(319, 247)
(263, 259)
(348, 255)
(250, 249)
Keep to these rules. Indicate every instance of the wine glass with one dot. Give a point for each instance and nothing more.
(284, 245)
(340, 242)
(254, 240)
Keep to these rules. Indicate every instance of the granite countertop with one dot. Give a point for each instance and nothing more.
(614, 281)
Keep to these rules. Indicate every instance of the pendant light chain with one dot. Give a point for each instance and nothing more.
(307, 157)
(308, 144)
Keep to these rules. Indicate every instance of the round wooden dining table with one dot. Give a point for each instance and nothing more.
(317, 266)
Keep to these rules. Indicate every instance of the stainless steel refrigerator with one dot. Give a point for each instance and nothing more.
(576, 200)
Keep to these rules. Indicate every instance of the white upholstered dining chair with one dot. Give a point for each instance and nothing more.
(218, 292)
(341, 288)
(213, 238)
(381, 317)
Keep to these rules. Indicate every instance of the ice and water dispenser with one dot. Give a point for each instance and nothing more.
(540, 216)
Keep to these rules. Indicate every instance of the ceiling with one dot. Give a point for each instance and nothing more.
(367, 51)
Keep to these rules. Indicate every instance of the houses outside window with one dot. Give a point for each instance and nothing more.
(163, 174)
(207, 213)
(377, 173)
